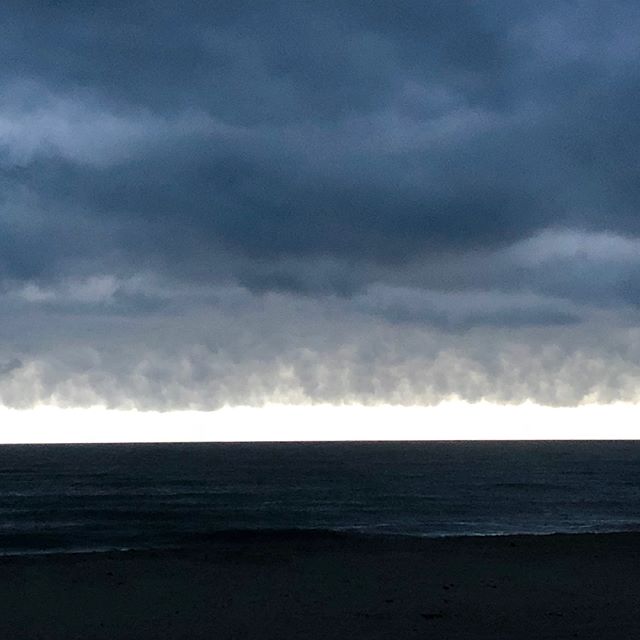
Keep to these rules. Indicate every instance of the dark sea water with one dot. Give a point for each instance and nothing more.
(93, 497)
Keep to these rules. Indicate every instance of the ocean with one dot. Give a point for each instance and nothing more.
(69, 498)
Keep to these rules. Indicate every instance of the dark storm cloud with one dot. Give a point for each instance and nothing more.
(360, 129)
(436, 166)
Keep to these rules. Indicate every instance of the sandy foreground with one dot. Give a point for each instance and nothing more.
(324, 586)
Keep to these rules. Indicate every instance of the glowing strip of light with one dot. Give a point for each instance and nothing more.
(452, 420)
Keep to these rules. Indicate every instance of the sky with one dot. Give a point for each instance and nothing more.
(206, 205)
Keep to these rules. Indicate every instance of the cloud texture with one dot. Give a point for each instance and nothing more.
(232, 202)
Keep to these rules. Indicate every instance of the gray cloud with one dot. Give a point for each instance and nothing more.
(185, 190)
(246, 350)
(9, 366)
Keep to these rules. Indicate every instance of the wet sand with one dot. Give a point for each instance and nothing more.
(267, 586)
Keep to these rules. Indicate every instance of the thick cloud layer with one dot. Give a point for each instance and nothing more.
(205, 203)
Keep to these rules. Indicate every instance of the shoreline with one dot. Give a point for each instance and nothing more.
(266, 535)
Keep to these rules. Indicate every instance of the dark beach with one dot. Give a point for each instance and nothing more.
(312, 586)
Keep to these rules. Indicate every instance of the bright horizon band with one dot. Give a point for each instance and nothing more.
(451, 420)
